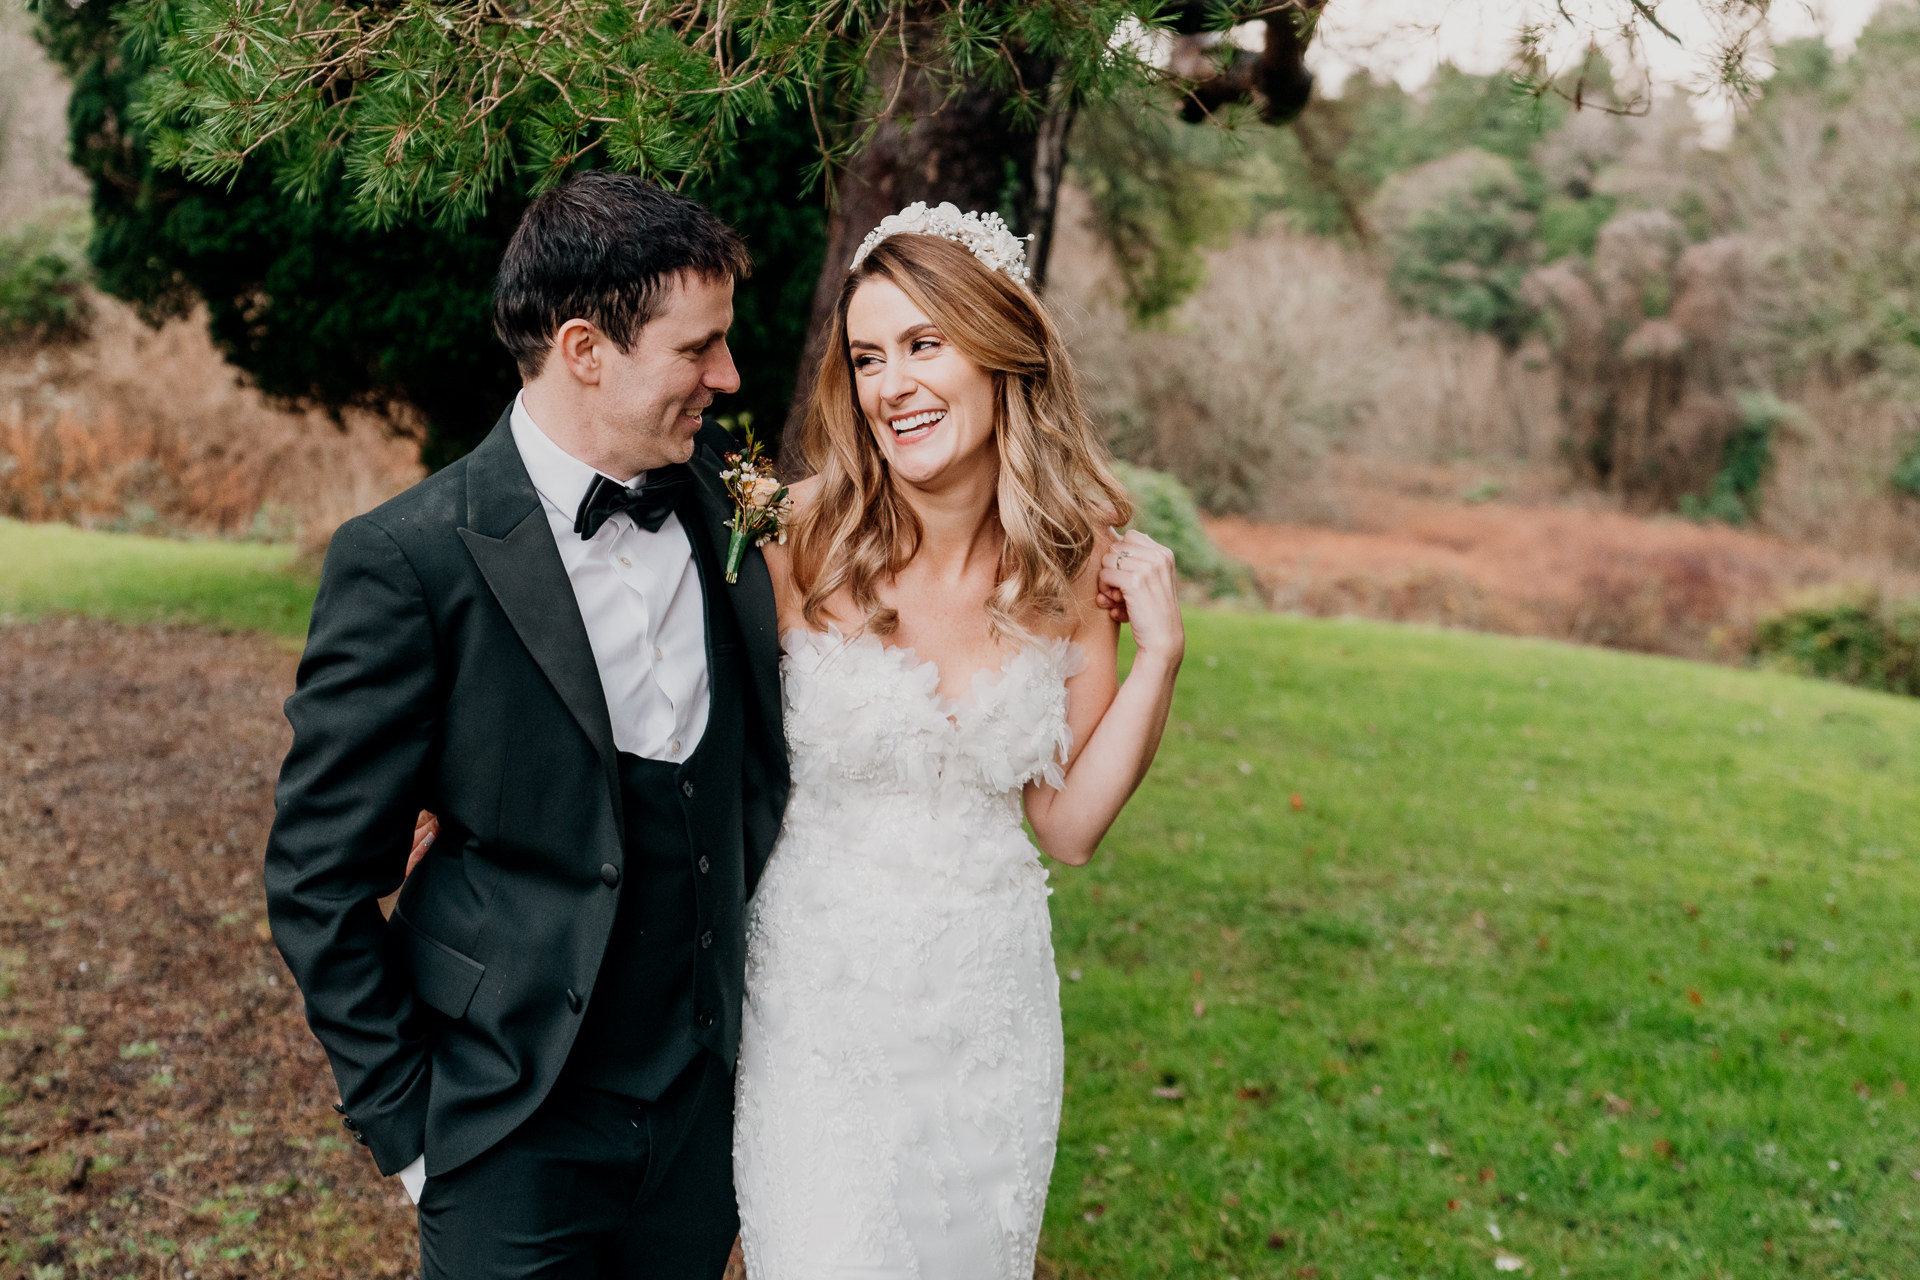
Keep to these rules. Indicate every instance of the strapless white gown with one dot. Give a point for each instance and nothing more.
(900, 1055)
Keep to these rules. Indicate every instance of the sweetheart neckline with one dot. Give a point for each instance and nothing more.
(911, 662)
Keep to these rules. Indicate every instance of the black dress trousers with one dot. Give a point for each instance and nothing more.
(595, 1186)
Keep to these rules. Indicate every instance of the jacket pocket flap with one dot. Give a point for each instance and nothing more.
(442, 976)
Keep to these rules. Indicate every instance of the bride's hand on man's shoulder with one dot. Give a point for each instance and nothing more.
(1138, 586)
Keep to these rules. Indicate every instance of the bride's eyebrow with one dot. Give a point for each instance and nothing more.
(863, 344)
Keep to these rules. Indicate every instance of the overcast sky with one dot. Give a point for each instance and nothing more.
(1407, 39)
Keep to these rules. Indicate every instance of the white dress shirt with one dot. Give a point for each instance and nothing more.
(639, 594)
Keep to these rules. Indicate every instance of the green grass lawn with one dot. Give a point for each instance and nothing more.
(1563, 962)
(56, 568)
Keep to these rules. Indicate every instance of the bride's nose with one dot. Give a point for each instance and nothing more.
(896, 383)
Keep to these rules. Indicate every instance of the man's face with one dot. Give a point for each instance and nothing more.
(678, 362)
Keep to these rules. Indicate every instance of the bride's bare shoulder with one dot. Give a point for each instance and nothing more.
(802, 492)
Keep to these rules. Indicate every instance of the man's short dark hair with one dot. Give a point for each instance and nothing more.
(603, 247)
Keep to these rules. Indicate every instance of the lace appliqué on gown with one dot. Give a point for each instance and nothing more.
(900, 1058)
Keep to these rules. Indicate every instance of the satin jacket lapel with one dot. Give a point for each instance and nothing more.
(510, 540)
(751, 596)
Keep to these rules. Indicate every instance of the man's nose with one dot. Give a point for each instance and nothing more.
(724, 377)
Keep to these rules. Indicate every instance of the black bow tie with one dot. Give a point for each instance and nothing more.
(649, 505)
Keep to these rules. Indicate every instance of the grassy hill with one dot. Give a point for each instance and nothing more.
(1428, 954)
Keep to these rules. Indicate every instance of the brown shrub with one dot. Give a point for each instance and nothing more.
(148, 429)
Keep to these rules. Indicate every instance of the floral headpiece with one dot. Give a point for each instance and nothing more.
(983, 234)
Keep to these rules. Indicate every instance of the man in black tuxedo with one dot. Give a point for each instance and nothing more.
(538, 644)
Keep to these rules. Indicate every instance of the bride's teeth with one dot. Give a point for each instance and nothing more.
(918, 420)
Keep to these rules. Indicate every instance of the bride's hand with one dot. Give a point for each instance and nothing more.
(426, 828)
(1138, 587)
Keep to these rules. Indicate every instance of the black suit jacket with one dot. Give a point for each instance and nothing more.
(448, 668)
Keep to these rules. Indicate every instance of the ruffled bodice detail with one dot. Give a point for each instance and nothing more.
(869, 732)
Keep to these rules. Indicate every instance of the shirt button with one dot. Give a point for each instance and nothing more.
(609, 875)
(706, 939)
(658, 655)
(702, 864)
(625, 563)
(686, 789)
(675, 749)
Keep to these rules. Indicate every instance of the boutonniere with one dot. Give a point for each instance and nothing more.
(760, 502)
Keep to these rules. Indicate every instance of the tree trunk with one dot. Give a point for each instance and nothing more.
(935, 147)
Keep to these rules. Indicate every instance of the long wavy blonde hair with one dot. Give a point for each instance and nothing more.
(1054, 489)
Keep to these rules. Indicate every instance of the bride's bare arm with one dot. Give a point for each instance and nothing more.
(1116, 730)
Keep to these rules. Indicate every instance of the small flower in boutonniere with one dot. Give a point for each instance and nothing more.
(760, 502)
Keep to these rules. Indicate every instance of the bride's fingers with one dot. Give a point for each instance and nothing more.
(426, 829)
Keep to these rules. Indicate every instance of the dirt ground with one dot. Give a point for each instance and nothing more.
(164, 1111)
(1508, 552)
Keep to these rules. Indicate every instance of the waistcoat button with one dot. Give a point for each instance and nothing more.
(706, 939)
(704, 1021)
(609, 875)
(686, 789)
(573, 1001)
(702, 864)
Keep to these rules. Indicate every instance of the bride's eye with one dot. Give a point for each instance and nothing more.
(924, 344)
(863, 362)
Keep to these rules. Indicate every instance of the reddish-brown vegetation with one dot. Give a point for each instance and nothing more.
(150, 429)
(1586, 574)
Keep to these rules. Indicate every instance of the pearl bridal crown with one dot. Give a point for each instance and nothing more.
(983, 234)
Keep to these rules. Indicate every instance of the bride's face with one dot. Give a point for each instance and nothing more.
(929, 407)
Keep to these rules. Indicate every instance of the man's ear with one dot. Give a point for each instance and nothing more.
(577, 346)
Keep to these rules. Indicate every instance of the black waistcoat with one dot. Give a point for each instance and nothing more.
(671, 979)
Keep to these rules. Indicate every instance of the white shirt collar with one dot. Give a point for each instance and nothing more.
(558, 476)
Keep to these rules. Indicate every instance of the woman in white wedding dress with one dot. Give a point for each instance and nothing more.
(950, 597)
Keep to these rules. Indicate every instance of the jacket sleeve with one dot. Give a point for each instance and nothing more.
(364, 711)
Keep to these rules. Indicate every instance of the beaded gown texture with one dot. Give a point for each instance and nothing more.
(900, 1061)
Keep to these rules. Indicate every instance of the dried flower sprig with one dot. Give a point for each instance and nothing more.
(761, 504)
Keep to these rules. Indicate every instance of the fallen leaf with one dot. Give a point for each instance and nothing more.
(1171, 1092)
(1694, 996)
(1486, 1175)
(1278, 1241)
(1663, 1148)
(1452, 1205)
(1507, 1262)
(1296, 801)
(1095, 1213)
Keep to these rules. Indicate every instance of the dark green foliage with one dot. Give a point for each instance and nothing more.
(1906, 476)
(1745, 460)
(319, 307)
(1856, 638)
(1162, 191)
(43, 278)
(1464, 260)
